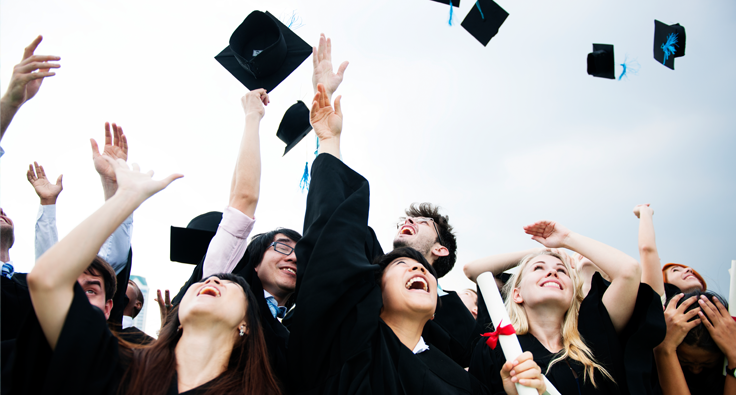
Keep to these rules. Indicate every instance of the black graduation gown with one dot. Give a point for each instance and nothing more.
(453, 329)
(15, 305)
(338, 343)
(134, 335)
(274, 332)
(610, 349)
(86, 359)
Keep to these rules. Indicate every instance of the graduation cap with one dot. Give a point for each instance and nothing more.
(669, 43)
(600, 61)
(451, 3)
(189, 245)
(483, 20)
(294, 126)
(263, 52)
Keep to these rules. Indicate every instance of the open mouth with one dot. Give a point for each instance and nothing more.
(417, 283)
(289, 270)
(551, 284)
(407, 230)
(211, 291)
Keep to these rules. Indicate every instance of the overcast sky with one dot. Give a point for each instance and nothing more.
(499, 136)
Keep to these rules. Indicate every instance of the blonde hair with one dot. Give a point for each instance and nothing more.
(573, 344)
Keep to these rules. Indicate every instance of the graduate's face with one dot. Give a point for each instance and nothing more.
(418, 234)
(683, 278)
(7, 234)
(94, 287)
(470, 300)
(545, 281)
(408, 288)
(214, 301)
(277, 270)
(695, 359)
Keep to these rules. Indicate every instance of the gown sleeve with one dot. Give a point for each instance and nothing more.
(338, 302)
(85, 361)
(485, 365)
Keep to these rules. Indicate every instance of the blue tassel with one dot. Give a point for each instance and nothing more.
(304, 183)
(293, 21)
(669, 46)
(316, 150)
(477, 4)
(630, 68)
(450, 21)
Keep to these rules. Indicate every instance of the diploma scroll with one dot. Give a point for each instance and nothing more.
(499, 316)
(732, 290)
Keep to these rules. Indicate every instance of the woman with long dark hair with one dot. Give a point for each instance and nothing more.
(213, 343)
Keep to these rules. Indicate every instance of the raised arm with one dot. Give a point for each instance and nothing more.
(651, 267)
(25, 82)
(245, 187)
(46, 233)
(624, 271)
(323, 73)
(496, 264)
(52, 279)
(327, 123)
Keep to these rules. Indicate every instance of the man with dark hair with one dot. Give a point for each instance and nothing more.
(129, 332)
(430, 233)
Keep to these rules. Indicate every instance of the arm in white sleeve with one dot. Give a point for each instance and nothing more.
(116, 247)
(46, 233)
(228, 246)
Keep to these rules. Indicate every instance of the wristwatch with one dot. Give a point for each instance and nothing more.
(731, 372)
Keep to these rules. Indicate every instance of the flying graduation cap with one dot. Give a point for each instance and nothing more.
(189, 245)
(600, 61)
(484, 20)
(669, 43)
(263, 52)
(294, 126)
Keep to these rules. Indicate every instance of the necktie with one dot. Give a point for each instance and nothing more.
(8, 270)
(276, 310)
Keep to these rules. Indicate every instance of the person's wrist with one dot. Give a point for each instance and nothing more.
(253, 116)
(48, 201)
(8, 104)
(664, 349)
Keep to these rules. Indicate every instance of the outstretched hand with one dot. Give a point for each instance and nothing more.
(323, 73)
(639, 208)
(116, 147)
(29, 74)
(45, 190)
(548, 233)
(132, 182)
(720, 325)
(327, 123)
(164, 306)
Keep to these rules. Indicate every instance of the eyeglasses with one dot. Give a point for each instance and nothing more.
(282, 248)
(420, 221)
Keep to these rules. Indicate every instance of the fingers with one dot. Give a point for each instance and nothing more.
(30, 67)
(684, 305)
(159, 299)
(321, 47)
(709, 308)
(167, 181)
(328, 50)
(108, 136)
(115, 134)
(29, 174)
(315, 61)
(58, 181)
(168, 300)
(39, 170)
(672, 304)
(341, 69)
(338, 108)
(28, 51)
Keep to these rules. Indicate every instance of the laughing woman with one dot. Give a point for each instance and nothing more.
(578, 339)
(65, 347)
(357, 326)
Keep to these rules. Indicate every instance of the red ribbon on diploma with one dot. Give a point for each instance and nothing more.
(500, 330)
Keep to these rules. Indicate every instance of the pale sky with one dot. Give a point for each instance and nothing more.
(498, 136)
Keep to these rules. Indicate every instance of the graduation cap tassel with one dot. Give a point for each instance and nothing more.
(450, 21)
(669, 46)
(304, 183)
(630, 68)
(477, 4)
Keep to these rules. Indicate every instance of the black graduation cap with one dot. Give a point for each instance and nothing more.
(669, 43)
(484, 19)
(600, 61)
(455, 3)
(263, 52)
(294, 126)
(189, 245)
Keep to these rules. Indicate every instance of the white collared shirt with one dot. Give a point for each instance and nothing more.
(420, 347)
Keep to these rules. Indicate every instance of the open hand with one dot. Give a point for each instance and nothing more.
(640, 208)
(323, 74)
(679, 321)
(522, 370)
(29, 74)
(116, 147)
(47, 191)
(548, 233)
(133, 183)
(164, 306)
(721, 326)
(254, 102)
(327, 123)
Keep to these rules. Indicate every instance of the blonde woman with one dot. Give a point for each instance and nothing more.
(573, 336)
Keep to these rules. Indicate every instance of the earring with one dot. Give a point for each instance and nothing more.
(242, 331)
(178, 329)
